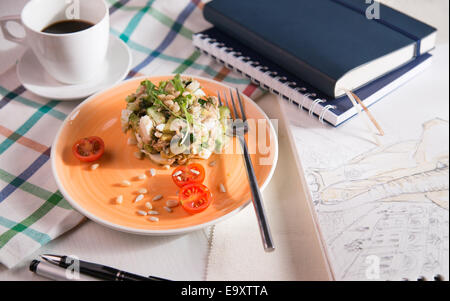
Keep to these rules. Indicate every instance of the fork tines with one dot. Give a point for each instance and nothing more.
(233, 104)
(244, 118)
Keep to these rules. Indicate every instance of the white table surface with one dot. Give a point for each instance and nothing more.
(181, 257)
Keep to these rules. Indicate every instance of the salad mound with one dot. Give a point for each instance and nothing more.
(175, 121)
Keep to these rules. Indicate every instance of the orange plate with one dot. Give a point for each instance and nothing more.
(93, 192)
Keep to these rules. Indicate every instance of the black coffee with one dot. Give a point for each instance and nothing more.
(67, 26)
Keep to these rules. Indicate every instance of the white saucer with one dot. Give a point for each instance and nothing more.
(115, 68)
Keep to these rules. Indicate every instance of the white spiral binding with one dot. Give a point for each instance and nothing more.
(315, 102)
(286, 89)
(222, 54)
(266, 78)
(324, 110)
(289, 92)
(279, 79)
(305, 96)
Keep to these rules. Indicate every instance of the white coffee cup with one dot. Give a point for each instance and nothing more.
(70, 58)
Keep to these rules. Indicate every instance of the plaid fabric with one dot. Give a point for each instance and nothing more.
(32, 210)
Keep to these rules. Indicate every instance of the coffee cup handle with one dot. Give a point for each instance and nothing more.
(6, 33)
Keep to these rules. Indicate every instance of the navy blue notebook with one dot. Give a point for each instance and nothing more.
(330, 44)
(270, 76)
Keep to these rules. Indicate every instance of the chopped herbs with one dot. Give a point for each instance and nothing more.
(174, 120)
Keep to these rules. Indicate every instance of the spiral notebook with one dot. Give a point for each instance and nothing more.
(269, 76)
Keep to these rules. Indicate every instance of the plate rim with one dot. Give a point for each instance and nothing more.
(152, 232)
(84, 95)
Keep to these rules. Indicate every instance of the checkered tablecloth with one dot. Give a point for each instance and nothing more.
(32, 210)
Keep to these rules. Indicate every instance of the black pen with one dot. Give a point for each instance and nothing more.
(96, 270)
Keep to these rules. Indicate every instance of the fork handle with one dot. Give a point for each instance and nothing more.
(257, 199)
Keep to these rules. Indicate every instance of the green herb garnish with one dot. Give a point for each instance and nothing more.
(177, 83)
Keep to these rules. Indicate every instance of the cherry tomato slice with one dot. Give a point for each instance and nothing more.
(89, 149)
(195, 197)
(192, 173)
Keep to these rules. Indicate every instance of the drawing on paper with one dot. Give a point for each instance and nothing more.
(392, 202)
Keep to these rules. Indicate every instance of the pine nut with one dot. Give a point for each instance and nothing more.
(157, 197)
(169, 103)
(142, 191)
(177, 173)
(141, 212)
(139, 198)
(126, 183)
(172, 203)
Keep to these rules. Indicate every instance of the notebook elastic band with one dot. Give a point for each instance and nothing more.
(407, 34)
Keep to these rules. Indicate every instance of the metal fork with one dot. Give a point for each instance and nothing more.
(240, 128)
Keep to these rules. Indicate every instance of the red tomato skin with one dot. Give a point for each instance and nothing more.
(202, 191)
(93, 157)
(192, 178)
